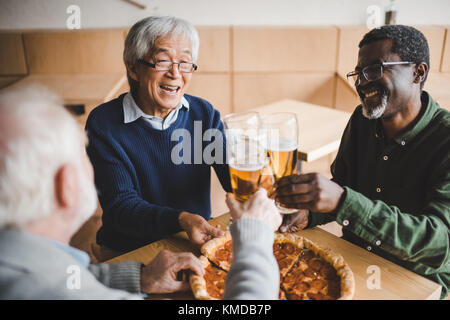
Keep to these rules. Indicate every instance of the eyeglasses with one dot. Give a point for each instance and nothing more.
(372, 72)
(185, 67)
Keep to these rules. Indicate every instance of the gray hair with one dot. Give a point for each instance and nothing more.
(143, 35)
(37, 136)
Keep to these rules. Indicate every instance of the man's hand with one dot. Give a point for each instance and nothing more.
(258, 206)
(198, 229)
(310, 191)
(295, 222)
(160, 275)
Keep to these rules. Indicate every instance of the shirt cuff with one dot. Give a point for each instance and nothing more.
(126, 276)
(354, 211)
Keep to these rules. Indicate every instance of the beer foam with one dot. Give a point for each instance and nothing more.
(246, 166)
(282, 145)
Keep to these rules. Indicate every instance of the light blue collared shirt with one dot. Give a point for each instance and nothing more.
(80, 256)
(132, 112)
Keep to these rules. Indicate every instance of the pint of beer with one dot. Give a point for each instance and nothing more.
(281, 132)
(246, 153)
(283, 157)
(245, 180)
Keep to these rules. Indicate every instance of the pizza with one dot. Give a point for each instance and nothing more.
(307, 271)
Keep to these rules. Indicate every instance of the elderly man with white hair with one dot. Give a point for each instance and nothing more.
(153, 148)
(47, 192)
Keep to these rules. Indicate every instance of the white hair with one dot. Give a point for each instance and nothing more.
(37, 136)
(142, 37)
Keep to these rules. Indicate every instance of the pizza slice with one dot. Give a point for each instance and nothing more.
(219, 251)
(210, 286)
(286, 249)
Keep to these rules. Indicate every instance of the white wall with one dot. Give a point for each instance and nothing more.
(43, 14)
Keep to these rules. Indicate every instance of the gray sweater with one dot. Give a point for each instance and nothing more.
(254, 273)
(31, 267)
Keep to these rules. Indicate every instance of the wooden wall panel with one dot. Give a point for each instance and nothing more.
(435, 36)
(85, 51)
(214, 52)
(213, 87)
(438, 85)
(346, 96)
(12, 57)
(349, 38)
(257, 89)
(445, 65)
(287, 49)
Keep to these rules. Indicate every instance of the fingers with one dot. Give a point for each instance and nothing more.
(297, 199)
(186, 260)
(234, 206)
(295, 222)
(296, 178)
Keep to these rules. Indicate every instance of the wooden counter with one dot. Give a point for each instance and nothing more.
(396, 282)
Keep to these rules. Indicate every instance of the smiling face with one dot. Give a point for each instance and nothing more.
(161, 91)
(391, 93)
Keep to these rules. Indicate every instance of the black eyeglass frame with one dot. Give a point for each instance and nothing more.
(153, 65)
(382, 64)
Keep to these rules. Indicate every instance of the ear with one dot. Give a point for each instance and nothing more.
(66, 187)
(420, 73)
(132, 71)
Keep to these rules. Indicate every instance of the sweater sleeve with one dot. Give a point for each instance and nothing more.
(124, 208)
(254, 272)
(221, 166)
(122, 275)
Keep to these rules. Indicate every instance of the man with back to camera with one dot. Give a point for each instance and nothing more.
(391, 177)
(47, 192)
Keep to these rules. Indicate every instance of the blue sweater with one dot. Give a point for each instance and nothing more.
(141, 190)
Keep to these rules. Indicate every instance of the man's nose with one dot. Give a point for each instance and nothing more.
(174, 70)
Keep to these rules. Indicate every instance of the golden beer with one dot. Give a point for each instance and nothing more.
(283, 158)
(245, 180)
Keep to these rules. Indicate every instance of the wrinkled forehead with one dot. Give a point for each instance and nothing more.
(172, 44)
(376, 52)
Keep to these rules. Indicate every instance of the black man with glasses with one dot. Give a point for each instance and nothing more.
(390, 189)
(147, 146)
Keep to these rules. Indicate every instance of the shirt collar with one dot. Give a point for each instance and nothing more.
(425, 117)
(132, 112)
(80, 256)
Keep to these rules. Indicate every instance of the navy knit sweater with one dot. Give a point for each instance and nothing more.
(141, 190)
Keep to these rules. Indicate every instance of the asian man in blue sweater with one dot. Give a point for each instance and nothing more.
(151, 148)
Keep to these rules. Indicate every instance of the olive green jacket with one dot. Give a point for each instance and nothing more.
(397, 193)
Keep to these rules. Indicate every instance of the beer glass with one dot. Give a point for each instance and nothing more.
(281, 130)
(246, 155)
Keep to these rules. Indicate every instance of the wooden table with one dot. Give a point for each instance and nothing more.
(320, 128)
(89, 90)
(396, 282)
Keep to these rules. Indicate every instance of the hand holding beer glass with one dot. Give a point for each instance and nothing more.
(282, 142)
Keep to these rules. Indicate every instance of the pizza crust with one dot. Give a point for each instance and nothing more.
(209, 250)
(198, 283)
(210, 247)
(338, 263)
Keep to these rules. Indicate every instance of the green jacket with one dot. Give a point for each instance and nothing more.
(397, 193)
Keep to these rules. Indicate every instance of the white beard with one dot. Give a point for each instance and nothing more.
(378, 111)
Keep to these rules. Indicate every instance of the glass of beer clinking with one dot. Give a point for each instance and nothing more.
(246, 154)
(281, 130)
